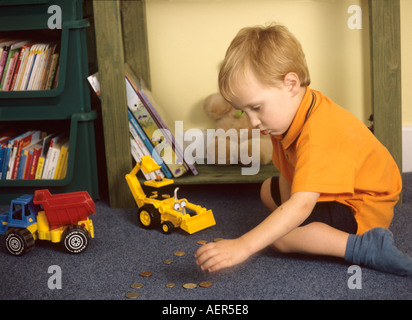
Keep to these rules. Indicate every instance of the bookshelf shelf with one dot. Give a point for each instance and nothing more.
(211, 174)
(67, 107)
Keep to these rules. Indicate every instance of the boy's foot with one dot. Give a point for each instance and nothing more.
(376, 249)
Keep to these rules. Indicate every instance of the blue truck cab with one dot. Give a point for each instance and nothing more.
(22, 214)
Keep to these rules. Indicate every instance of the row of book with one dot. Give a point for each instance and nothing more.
(149, 135)
(28, 65)
(33, 154)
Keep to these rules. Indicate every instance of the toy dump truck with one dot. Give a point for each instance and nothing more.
(160, 208)
(56, 218)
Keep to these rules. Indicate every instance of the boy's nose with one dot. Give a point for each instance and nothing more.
(255, 122)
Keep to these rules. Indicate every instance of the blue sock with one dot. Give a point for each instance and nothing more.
(376, 249)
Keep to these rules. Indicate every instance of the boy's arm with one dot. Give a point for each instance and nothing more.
(284, 188)
(280, 222)
(226, 253)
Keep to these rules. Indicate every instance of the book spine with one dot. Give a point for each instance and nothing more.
(39, 169)
(141, 149)
(10, 71)
(24, 62)
(5, 163)
(3, 59)
(137, 154)
(2, 154)
(28, 164)
(35, 162)
(17, 70)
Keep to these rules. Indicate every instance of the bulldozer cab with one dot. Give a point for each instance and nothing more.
(162, 190)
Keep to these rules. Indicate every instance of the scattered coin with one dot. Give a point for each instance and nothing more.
(137, 285)
(180, 253)
(170, 285)
(167, 261)
(190, 285)
(217, 239)
(202, 242)
(132, 295)
(146, 273)
(205, 284)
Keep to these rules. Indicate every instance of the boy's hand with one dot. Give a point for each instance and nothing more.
(215, 256)
(227, 253)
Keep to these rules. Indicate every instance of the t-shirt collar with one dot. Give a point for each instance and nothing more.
(306, 106)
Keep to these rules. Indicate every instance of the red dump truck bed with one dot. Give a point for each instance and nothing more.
(65, 208)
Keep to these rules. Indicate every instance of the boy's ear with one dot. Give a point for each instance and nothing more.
(292, 82)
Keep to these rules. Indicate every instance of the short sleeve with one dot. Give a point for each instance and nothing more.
(324, 164)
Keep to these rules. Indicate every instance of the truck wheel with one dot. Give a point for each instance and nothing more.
(167, 227)
(76, 239)
(149, 217)
(19, 241)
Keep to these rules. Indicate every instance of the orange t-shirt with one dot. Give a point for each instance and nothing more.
(328, 150)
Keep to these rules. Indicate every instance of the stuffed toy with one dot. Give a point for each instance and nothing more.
(226, 118)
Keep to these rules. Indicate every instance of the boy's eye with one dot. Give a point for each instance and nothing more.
(256, 108)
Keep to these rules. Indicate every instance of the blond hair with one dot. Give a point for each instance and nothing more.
(269, 52)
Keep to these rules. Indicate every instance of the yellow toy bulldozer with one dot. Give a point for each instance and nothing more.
(161, 209)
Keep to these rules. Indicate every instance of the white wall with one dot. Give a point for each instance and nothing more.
(188, 40)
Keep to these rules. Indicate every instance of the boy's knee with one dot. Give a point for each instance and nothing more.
(265, 190)
(280, 246)
(266, 195)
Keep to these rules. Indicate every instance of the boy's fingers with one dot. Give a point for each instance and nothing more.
(203, 249)
(204, 254)
(212, 264)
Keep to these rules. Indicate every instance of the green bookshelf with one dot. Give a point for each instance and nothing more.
(67, 106)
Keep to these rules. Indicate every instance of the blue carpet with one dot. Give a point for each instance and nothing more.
(121, 250)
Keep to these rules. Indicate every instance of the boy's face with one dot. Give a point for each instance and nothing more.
(270, 109)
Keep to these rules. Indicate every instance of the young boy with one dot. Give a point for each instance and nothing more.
(337, 186)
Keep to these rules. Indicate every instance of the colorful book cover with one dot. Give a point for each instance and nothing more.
(142, 136)
(177, 150)
(150, 128)
(167, 133)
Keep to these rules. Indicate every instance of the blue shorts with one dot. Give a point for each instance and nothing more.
(332, 213)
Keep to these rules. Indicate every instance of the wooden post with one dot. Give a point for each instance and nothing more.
(110, 59)
(136, 52)
(386, 74)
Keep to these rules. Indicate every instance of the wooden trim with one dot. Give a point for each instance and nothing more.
(110, 59)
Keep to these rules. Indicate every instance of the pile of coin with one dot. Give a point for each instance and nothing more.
(189, 285)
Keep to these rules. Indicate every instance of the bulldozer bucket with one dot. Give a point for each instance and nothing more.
(198, 222)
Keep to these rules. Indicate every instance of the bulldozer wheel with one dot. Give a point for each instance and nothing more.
(167, 227)
(19, 241)
(149, 217)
